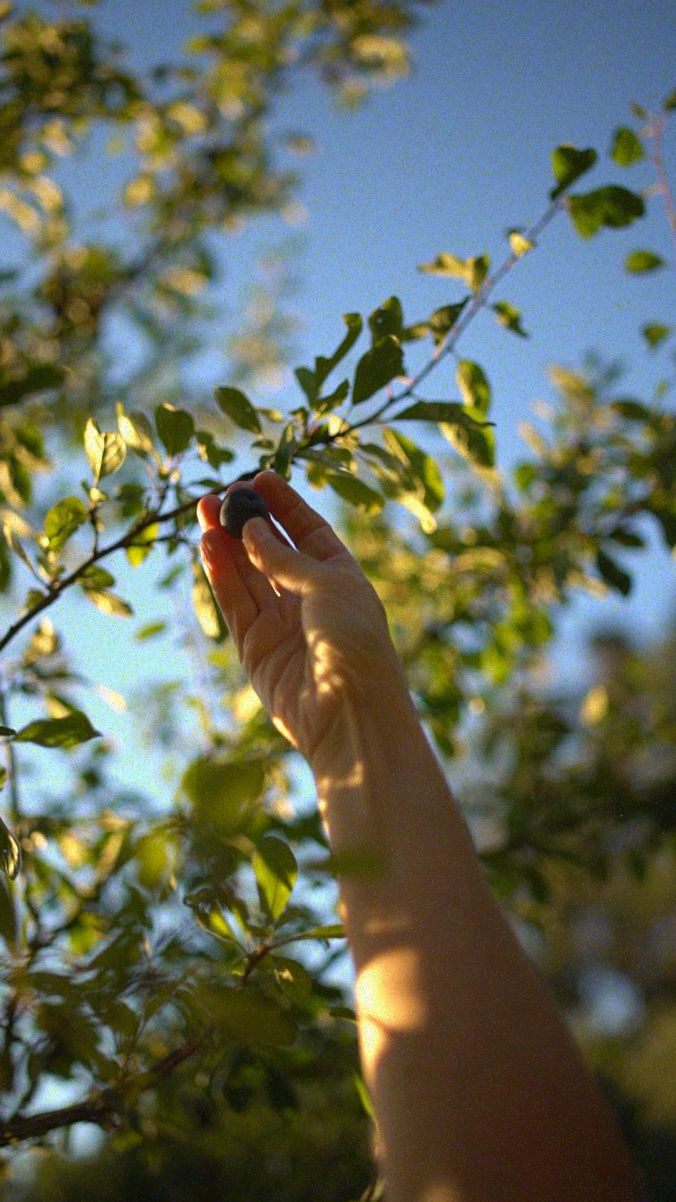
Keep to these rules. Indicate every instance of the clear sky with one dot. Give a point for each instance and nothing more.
(447, 160)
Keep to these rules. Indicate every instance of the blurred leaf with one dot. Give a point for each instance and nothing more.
(509, 317)
(611, 206)
(224, 792)
(655, 332)
(352, 489)
(109, 603)
(381, 364)
(247, 1016)
(175, 428)
(276, 870)
(238, 408)
(473, 270)
(519, 243)
(39, 378)
(475, 388)
(10, 852)
(626, 148)
(138, 551)
(643, 260)
(207, 611)
(292, 978)
(613, 574)
(568, 164)
(66, 732)
(63, 519)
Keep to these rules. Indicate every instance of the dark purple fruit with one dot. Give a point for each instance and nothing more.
(238, 506)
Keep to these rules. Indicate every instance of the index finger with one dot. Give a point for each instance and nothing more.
(310, 532)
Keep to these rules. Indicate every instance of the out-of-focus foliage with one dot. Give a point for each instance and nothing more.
(167, 974)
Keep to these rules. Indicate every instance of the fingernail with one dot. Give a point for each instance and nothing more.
(256, 533)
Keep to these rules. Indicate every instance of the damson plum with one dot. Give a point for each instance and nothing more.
(238, 506)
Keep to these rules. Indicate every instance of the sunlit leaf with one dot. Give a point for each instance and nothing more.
(207, 612)
(472, 270)
(109, 603)
(62, 520)
(105, 451)
(276, 870)
(136, 431)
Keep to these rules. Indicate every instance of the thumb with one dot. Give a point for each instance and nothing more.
(276, 559)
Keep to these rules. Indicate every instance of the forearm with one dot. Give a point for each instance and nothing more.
(477, 1089)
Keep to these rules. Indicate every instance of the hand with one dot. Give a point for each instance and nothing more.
(309, 628)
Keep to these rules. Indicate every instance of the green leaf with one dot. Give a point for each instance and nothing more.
(444, 319)
(509, 317)
(94, 576)
(333, 930)
(207, 612)
(224, 793)
(654, 333)
(105, 452)
(568, 164)
(37, 379)
(276, 870)
(247, 1016)
(10, 852)
(475, 388)
(109, 603)
(626, 148)
(328, 403)
(175, 428)
(353, 490)
(377, 368)
(613, 575)
(136, 431)
(473, 270)
(387, 319)
(239, 409)
(439, 411)
(66, 732)
(291, 977)
(323, 367)
(669, 102)
(643, 260)
(62, 520)
(611, 206)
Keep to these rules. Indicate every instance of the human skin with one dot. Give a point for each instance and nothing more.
(479, 1093)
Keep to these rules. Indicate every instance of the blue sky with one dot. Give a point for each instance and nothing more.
(448, 160)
